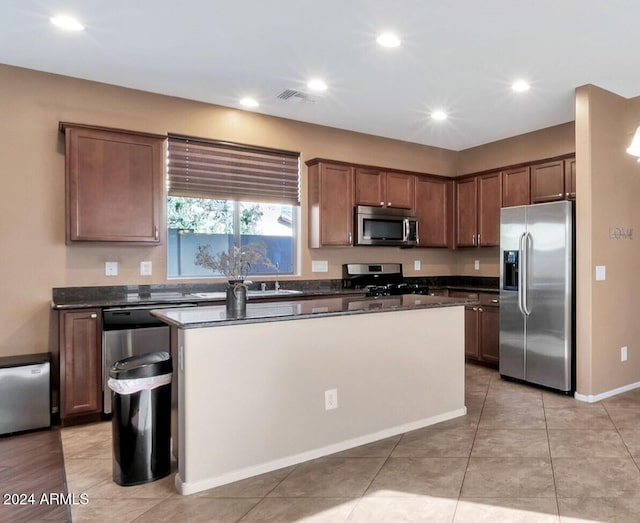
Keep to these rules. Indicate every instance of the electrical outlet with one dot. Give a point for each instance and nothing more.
(476, 265)
(110, 268)
(319, 266)
(417, 265)
(623, 353)
(330, 399)
(146, 268)
(601, 272)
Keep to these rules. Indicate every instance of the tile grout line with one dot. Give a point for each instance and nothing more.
(553, 472)
(486, 392)
(604, 406)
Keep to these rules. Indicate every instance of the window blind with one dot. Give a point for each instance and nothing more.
(199, 168)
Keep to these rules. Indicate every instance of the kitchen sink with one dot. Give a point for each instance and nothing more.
(250, 294)
(272, 292)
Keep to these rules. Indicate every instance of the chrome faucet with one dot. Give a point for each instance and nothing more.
(276, 285)
(263, 286)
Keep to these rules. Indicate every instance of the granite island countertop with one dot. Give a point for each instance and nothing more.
(216, 315)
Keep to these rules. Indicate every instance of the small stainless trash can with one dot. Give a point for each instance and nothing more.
(141, 422)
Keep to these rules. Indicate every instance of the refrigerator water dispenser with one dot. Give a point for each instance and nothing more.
(510, 271)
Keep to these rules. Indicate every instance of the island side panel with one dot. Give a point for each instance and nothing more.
(253, 395)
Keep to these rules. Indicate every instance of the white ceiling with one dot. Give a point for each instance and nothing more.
(458, 55)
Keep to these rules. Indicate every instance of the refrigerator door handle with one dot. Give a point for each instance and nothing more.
(526, 239)
(521, 273)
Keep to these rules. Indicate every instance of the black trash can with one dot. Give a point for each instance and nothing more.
(141, 423)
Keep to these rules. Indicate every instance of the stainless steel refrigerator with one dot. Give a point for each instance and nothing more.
(537, 307)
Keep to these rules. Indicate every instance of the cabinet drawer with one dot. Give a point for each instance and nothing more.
(489, 299)
(464, 294)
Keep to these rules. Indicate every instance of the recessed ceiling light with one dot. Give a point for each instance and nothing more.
(439, 115)
(520, 86)
(388, 40)
(316, 85)
(249, 102)
(68, 23)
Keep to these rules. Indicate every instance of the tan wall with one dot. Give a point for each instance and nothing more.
(608, 184)
(34, 257)
(529, 147)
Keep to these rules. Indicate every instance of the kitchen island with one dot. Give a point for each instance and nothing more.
(252, 392)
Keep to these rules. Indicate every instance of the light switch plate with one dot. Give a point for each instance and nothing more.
(146, 268)
(319, 266)
(601, 273)
(417, 265)
(110, 268)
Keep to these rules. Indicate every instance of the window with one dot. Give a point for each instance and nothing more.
(230, 201)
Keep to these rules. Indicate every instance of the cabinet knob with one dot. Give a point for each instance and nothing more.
(350, 238)
(388, 204)
(475, 309)
(381, 204)
(473, 239)
(478, 240)
(495, 301)
(93, 315)
(479, 309)
(156, 233)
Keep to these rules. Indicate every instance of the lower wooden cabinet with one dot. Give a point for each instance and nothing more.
(482, 327)
(80, 363)
(490, 331)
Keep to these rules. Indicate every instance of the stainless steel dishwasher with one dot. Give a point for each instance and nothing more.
(131, 331)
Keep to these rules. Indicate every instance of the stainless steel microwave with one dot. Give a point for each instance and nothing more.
(390, 227)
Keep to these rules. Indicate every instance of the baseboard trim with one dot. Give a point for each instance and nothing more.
(593, 398)
(191, 487)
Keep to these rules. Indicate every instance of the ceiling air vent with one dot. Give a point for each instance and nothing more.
(292, 94)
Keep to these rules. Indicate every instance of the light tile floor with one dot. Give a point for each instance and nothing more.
(520, 455)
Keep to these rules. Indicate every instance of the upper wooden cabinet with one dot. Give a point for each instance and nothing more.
(548, 182)
(538, 183)
(570, 178)
(466, 204)
(113, 184)
(516, 187)
(489, 198)
(384, 189)
(477, 203)
(433, 204)
(330, 204)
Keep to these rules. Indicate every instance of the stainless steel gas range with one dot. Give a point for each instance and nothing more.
(379, 279)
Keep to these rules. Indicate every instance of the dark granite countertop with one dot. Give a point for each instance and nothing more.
(215, 316)
(145, 295)
(65, 298)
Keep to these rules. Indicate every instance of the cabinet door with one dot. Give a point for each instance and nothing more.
(370, 187)
(490, 332)
(400, 190)
(471, 332)
(489, 210)
(547, 182)
(516, 187)
(570, 178)
(80, 362)
(466, 201)
(330, 205)
(433, 209)
(114, 185)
